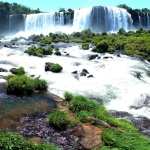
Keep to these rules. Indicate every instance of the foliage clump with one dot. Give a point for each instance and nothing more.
(85, 46)
(39, 51)
(18, 71)
(24, 85)
(59, 119)
(13, 141)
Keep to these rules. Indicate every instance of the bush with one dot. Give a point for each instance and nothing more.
(56, 68)
(18, 71)
(59, 119)
(101, 47)
(13, 141)
(39, 51)
(68, 96)
(40, 85)
(35, 51)
(125, 140)
(80, 103)
(84, 115)
(85, 46)
(24, 85)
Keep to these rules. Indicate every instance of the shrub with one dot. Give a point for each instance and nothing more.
(35, 51)
(24, 85)
(80, 103)
(101, 47)
(40, 85)
(59, 119)
(17, 71)
(56, 68)
(85, 46)
(84, 115)
(48, 51)
(13, 141)
(125, 140)
(39, 51)
(68, 96)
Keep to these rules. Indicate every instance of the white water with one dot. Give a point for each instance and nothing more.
(113, 81)
(82, 19)
(98, 19)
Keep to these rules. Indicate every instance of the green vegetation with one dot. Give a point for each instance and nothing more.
(24, 85)
(121, 136)
(59, 119)
(68, 96)
(12, 141)
(14, 8)
(56, 68)
(39, 51)
(130, 43)
(18, 71)
(101, 47)
(80, 103)
(84, 107)
(125, 140)
(85, 46)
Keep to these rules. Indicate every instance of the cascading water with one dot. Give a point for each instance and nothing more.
(82, 19)
(110, 19)
(39, 23)
(98, 19)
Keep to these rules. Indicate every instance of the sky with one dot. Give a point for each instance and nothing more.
(47, 5)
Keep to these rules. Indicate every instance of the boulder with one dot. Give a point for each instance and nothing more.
(75, 72)
(58, 53)
(89, 136)
(90, 76)
(3, 70)
(48, 66)
(84, 72)
(91, 57)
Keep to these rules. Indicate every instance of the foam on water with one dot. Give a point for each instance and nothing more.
(114, 79)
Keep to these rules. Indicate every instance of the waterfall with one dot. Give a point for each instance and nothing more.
(98, 19)
(82, 19)
(39, 23)
(148, 20)
(110, 19)
(16, 23)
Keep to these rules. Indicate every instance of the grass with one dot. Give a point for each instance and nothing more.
(125, 140)
(59, 119)
(13, 141)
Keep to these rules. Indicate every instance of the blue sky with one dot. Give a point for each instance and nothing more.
(47, 5)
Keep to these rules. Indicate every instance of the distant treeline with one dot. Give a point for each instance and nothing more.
(14, 8)
(131, 10)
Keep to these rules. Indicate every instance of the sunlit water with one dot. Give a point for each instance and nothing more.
(115, 79)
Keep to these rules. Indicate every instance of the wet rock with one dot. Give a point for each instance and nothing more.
(75, 72)
(48, 66)
(90, 76)
(76, 64)
(141, 123)
(120, 114)
(84, 72)
(89, 136)
(91, 57)
(138, 75)
(67, 54)
(107, 57)
(3, 70)
(58, 53)
(13, 70)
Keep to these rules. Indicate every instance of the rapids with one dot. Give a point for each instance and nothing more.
(122, 82)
